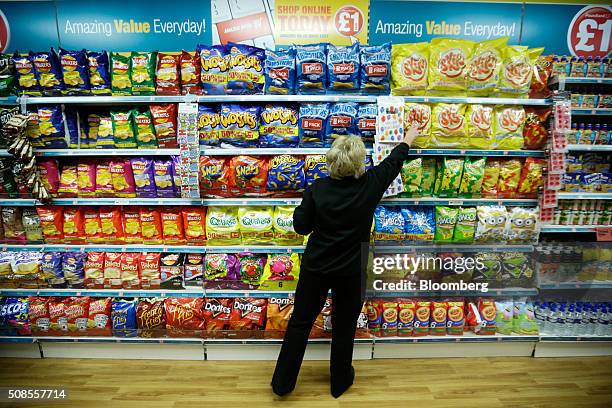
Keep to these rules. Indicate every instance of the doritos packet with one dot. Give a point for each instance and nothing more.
(239, 125)
(214, 62)
(143, 72)
(311, 68)
(342, 121)
(164, 121)
(208, 125)
(167, 74)
(375, 68)
(409, 68)
(343, 68)
(49, 71)
(74, 69)
(121, 74)
(278, 126)
(99, 73)
(27, 77)
(280, 72)
(245, 71)
(312, 120)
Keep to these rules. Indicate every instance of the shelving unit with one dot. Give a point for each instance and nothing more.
(589, 148)
(572, 228)
(592, 111)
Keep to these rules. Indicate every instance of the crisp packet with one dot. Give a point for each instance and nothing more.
(409, 68)
(420, 223)
(245, 70)
(473, 175)
(214, 64)
(143, 177)
(448, 64)
(194, 221)
(208, 125)
(172, 226)
(448, 128)
(316, 167)
(280, 71)
(281, 272)
(248, 175)
(123, 129)
(164, 121)
(151, 226)
(366, 122)
(222, 226)
(504, 316)
(448, 177)
(419, 114)
(375, 68)
(104, 180)
(51, 218)
(255, 224)
(343, 68)
(31, 225)
(251, 268)
(123, 178)
(69, 186)
(105, 138)
(99, 74)
(491, 223)
(49, 174)
(214, 176)
(167, 74)
(531, 177)
(522, 226)
(92, 224)
(312, 119)
(51, 125)
(412, 173)
(282, 224)
(49, 71)
(484, 67)
(73, 225)
(86, 179)
(480, 126)
(509, 177)
(111, 225)
(121, 74)
(131, 225)
(286, 173)
(428, 177)
(164, 184)
(311, 68)
(465, 228)
(74, 69)
(239, 125)
(389, 223)
(446, 218)
(144, 129)
(190, 73)
(517, 70)
(490, 179)
(342, 121)
(535, 133)
(508, 127)
(27, 77)
(7, 76)
(278, 126)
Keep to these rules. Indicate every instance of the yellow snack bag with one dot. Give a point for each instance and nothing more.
(517, 70)
(448, 63)
(508, 127)
(480, 126)
(281, 272)
(284, 234)
(409, 68)
(448, 127)
(222, 226)
(484, 66)
(419, 113)
(255, 224)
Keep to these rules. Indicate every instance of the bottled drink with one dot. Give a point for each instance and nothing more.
(602, 322)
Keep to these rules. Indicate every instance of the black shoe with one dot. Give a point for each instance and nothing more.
(339, 389)
(279, 391)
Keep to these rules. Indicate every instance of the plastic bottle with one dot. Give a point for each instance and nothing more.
(579, 135)
(584, 326)
(562, 321)
(540, 315)
(603, 320)
(551, 320)
(571, 321)
(593, 319)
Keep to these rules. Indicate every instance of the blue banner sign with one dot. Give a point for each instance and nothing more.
(27, 25)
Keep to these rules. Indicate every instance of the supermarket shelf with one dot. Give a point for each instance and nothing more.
(11, 100)
(460, 201)
(277, 341)
(106, 152)
(590, 111)
(576, 285)
(394, 249)
(589, 148)
(234, 151)
(491, 292)
(255, 249)
(187, 293)
(569, 80)
(488, 153)
(226, 293)
(17, 339)
(486, 101)
(136, 340)
(572, 228)
(466, 338)
(151, 248)
(586, 338)
(104, 100)
(584, 196)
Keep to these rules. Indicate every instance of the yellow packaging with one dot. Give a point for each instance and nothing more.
(448, 63)
(508, 127)
(409, 68)
(222, 226)
(480, 126)
(420, 114)
(282, 223)
(281, 272)
(255, 224)
(484, 67)
(517, 70)
(448, 127)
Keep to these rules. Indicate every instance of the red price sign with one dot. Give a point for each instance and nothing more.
(5, 32)
(349, 21)
(590, 31)
(604, 234)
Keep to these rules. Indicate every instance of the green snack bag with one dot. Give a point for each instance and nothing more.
(123, 130)
(143, 72)
(504, 318)
(449, 178)
(446, 218)
(145, 131)
(489, 266)
(466, 225)
(412, 175)
(7, 76)
(513, 265)
(524, 318)
(428, 177)
(121, 74)
(473, 175)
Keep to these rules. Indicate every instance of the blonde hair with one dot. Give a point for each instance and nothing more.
(346, 157)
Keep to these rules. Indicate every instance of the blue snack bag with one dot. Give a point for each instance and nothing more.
(368, 162)
(245, 72)
(342, 121)
(27, 77)
(311, 68)
(316, 168)
(343, 68)
(419, 223)
(70, 117)
(99, 74)
(280, 71)
(14, 317)
(51, 269)
(49, 71)
(214, 65)
(123, 316)
(73, 268)
(388, 223)
(375, 71)
(286, 172)
(366, 123)
(74, 71)
(208, 125)
(278, 126)
(51, 124)
(313, 117)
(239, 125)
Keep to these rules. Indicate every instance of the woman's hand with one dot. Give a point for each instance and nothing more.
(411, 134)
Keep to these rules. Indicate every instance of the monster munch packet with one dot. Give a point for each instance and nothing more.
(409, 68)
(245, 74)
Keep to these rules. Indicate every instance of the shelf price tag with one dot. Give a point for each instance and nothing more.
(604, 234)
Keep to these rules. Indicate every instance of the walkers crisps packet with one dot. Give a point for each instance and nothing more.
(123, 129)
(409, 68)
(448, 64)
(144, 130)
(311, 68)
(448, 126)
(194, 222)
(74, 70)
(375, 71)
(517, 70)
(167, 74)
(420, 114)
(484, 67)
(164, 121)
(214, 176)
(99, 74)
(480, 126)
(121, 74)
(190, 73)
(248, 175)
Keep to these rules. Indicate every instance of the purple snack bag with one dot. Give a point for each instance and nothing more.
(73, 264)
(164, 184)
(51, 268)
(143, 177)
(251, 267)
(176, 177)
(221, 271)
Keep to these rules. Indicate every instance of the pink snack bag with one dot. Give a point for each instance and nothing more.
(49, 174)
(86, 174)
(68, 186)
(123, 178)
(104, 180)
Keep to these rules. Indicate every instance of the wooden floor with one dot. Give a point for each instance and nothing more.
(476, 382)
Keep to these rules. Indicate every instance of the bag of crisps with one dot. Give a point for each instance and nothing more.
(190, 73)
(448, 64)
(151, 226)
(121, 74)
(167, 75)
(517, 70)
(51, 219)
(112, 225)
(473, 175)
(542, 70)
(411, 173)
(194, 221)
(104, 180)
(448, 127)
(428, 177)
(248, 175)
(123, 129)
(286, 175)
(409, 68)
(484, 67)
(73, 225)
(131, 225)
(123, 178)
(214, 64)
(531, 178)
(509, 177)
(465, 228)
(105, 139)
(480, 126)
(508, 127)
(535, 133)
(99, 75)
(448, 177)
(144, 179)
(69, 186)
(27, 77)
(208, 125)
(255, 225)
(164, 183)
(491, 223)
(164, 121)
(93, 225)
(222, 226)
(420, 114)
(281, 272)
(214, 176)
(49, 71)
(74, 70)
(144, 129)
(490, 179)
(282, 224)
(143, 72)
(522, 226)
(172, 226)
(86, 178)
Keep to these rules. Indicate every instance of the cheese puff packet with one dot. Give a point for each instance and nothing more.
(480, 126)
(73, 225)
(389, 223)
(167, 74)
(245, 70)
(316, 168)
(27, 77)
(51, 125)
(222, 226)
(131, 225)
(280, 72)
(484, 67)
(248, 175)
(490, 179)
(144, 129)
(531, 178)
(51, 220)
(104, 180)
(190, 73)
(164, 121)
(74, 70)
(465, 228)
(208, 125)
(311, 68)
(255, 224)
(151, 225)
(517, 70)
(214, 176)
(143, 72)
(164, 183)
(412, 173)
(123, 178)
(286, 173)
(491, 223)
(194, 222)
(535, 133)
(49, 174)
(409, 68)
(281, 272)
(99, 73)
(144, 179)
(366, 122)
(509, 177)
(105, 138)
(69, 185)
(375, 68)
(343, 68)
(449, 177)
(522, 226)
(419, 223)
(282, 224)
(473, 175)
(86, 179)
(278, 126)
(123, 129)
(239, 125)
(448, 64)
(342, 121)
(172, 226)
(214, 64)
(508, 127)
(92, 224)
(49, 72)
(420, 114)
(112, 224)
(428, 177)
(448, 128)
(121, 74)
(446, 218)
(312, 120)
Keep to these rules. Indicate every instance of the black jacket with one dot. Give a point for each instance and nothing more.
(339, 214)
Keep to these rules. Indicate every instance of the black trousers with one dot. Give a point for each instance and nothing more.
(310, 295)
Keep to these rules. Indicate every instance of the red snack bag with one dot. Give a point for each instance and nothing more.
(131, 225)
(151, 226)
(38, 313)
(68, 186)
(248, 175)
(487, 310)
(278, 314)
(531, 178)
(130, 271)
(194, 222)
(405, 317)
(167, 74)
(123, 178)
(151, 318)
(112, 270)
(374, 307)
(164, 121)
(49, 174)
(149, 270)
(92, 224)
(58, 325)
(99, 317)
(323, 324)
(190, 74)
(389, 319)
(112, 224)
(172, 226)
(509, 177)
(421, 318)
(86, 177)
(185, 317)
(542, 69)
(248, 314)
(535, 133)
(104, 180)
(214, 176)
(438, 318)
(217, 312)
(51, 220)
(74, 225)
(77, 313)
(455, 317)
(94, 270)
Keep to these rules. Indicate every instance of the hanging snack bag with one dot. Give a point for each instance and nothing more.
(446, 218)
(412, 173)
(49, 71)
(531, 177)
(420, 223)
(31, 225)
(123, 130)
(466, 225)
(248, 175)
(86, 179)
(255, 224)
(143, 72)
(167, 74)
(280, 72)
(490, 179)
(473, 175)
(389, 223)
(448, 177)
(282, 224)
(448, 128)
(164, 184)
(172, 226)
(448, 64)
(366, 123)
(123, 178)
(112, 225)
(508, 127)
(144, 129)
(194, 221)
(312, 120)
(27, 77)
(208, 125)
(480, 126)
(491, 223)
(239, 125)
(342, 121)
(69, 185)
(245, 69)
(311, 68)
(509, 178)
(375, 68)
(484, 67)
(99, 74)
(7, 76)
(517, 70)
(144, 179)
(409, 68)
(214, 176)
(286, 172)
(343, 68)
(121, 74)
(151, 226)
(420, 114)
(164, 121)
(92, 224)
(105, 139)
(74, 70)
(279, 126)
(73, 225)
(222, 226)
(131, 225)
(316, 168)
(214, 64)
(522, 226)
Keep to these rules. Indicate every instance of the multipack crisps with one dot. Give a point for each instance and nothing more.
(448, 177)
(208, 125)
(446, 218)
(143, 177)
(409, 68)
(343, 68)
(247, 314)
(222, 226)
(279, 126)
(509, 178)
(164, 182)
(535, 133)
(311, 68)
(112, 224)
(49, 71)
(280, 72)
(420, 223)
(448, 127)
(51, 218)
(484, 67)
(121, 74)
(99, 317)
(508, 127)
(248, 175)
(473, 175)
(151, 317)
(522, 226)
(389, 223)
(281, 272)
(366, 123)
(255, 224)
(185, 317)
(214, 176)
(490, 179)
(251, 267)
(123, 178)
(312, 119)
(448, 64)
(172, 226)
(143, 72)
(286, 172)
(375, 68)
(239, 125)
(27, 77)
(411, 173)
(480, 126)
(214, 63)
(419, 114)
(73, 225)
(531, 177)
(465, 227)
(245, 71)
(342, 121)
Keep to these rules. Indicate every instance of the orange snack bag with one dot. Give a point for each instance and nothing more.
(51, 219)
(248, 175)
(531, 177)
(130, 270)
(455, 317)
(151, 226)
(74, 225)
(389, 319)
(92, 225)
(438, 318)
(131, 225)
(112, 226)
(490, 179)
(194, 221)
(509, 177)
(123, 178)
(104, 180)
(405, 317)
(421, 318)
(86, 177)
(172, 226)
